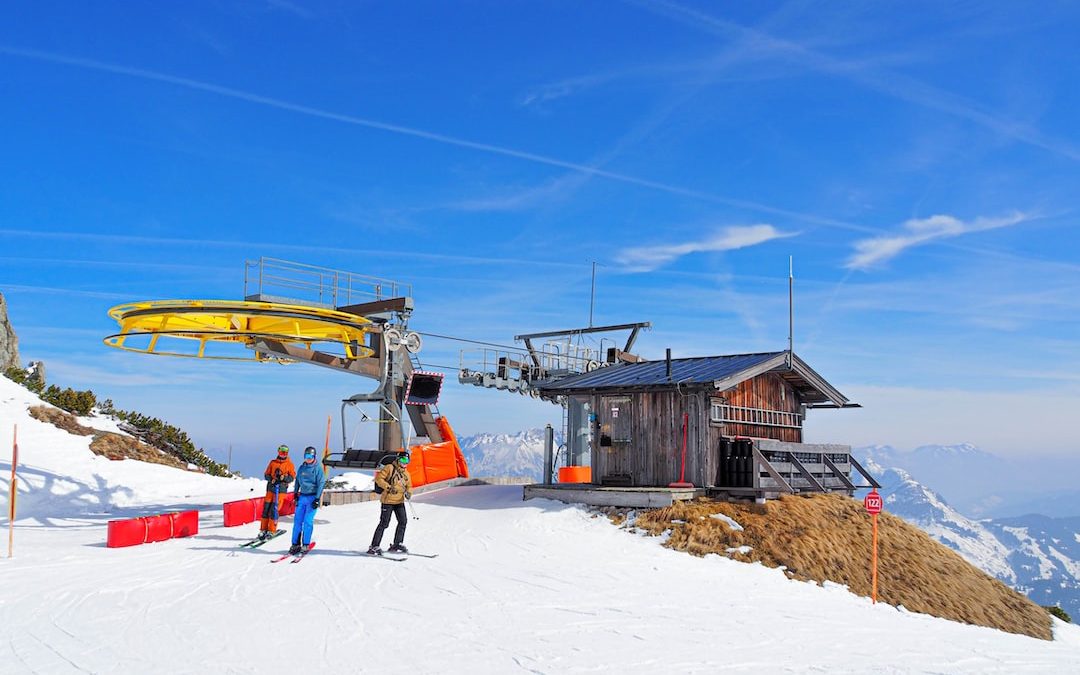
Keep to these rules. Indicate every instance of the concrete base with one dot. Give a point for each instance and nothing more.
(335, 497)
(595, 495)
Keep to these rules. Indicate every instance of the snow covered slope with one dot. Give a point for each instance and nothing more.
(60, 477)
(532, 586)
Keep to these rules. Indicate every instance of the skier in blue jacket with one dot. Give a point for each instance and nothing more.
(309, 488)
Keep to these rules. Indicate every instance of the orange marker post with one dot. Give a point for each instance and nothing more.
(13, 487)
(873, 503)
(326, 447)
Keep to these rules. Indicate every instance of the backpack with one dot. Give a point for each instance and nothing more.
(383, 462)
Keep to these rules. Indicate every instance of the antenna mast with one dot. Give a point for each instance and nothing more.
(791, 308)
(592, 293)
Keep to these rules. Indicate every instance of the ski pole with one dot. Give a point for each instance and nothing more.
(413, 508)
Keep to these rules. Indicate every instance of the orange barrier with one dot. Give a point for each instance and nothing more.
(145, 529)
(247, 511)
(575, 474)
(241, 512)
(448, 433)
(434, 462)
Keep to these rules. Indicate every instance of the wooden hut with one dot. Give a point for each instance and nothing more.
(730, 424)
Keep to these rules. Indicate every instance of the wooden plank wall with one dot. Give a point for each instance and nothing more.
(767, 391)
(656, 431)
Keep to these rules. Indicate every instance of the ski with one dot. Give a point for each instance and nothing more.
(300, 556)
(256, 543)
(421, 555)
(295, 556)
(382, 557)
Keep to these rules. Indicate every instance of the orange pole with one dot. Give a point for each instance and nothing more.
(326, 448)
(873, 572)
(13, 493)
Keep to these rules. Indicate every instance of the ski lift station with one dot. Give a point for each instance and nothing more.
(638, 431)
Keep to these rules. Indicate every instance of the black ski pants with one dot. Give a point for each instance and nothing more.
(384, 520)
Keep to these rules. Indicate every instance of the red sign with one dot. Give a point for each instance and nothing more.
(873, 503)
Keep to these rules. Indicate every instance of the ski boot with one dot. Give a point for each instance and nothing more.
(374, 550)
(399, 548)
(295, 549)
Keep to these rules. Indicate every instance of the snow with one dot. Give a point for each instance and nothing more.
(352, 480)
(727, 519)
(535, 586)
(1030, 547)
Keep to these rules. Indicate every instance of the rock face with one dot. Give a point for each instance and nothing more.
(9, 343)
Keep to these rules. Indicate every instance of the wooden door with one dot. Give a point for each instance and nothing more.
(616, 440)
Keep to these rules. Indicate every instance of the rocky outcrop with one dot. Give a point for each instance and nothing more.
(9, 343)
(35, 374)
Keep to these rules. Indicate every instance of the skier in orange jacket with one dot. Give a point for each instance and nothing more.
(279, 473)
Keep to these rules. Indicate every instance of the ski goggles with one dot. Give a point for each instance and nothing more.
(283, 450)
(403, 459)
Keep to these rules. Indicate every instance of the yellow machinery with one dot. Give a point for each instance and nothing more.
(292, 312)
(234, 322)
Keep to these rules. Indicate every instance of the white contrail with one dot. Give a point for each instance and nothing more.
(419, 133)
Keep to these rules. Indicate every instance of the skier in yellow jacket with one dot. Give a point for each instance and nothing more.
(396, 485)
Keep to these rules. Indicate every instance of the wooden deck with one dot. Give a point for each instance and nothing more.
(595, 495)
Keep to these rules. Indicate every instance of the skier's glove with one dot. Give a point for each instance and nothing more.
(314, 504)
(408, 494)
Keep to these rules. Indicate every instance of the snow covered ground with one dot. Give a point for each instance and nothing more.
(518, 587)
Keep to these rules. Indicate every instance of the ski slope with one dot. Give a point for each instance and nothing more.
(518, 586)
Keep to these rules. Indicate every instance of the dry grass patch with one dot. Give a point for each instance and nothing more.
(828, 537)
(105, 443)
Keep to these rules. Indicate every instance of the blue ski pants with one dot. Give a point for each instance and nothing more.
(304, 519)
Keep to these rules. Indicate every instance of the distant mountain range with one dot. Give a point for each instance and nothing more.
(1035, 554)
(519, 455)
(983, 485)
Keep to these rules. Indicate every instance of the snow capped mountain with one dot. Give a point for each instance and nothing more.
(984, 485)
(921, 506)
(520, 454)
(1037, 555)
(1045, 553)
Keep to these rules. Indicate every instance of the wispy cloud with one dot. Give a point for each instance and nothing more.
(150, 75)
(549, 192)
(647, 258)
(291, 8)
(887, 82)
(920, 231)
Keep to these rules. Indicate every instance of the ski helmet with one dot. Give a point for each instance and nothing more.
(283, 449)
(309, 452)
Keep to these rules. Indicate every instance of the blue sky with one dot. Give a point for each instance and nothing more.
(918, 161)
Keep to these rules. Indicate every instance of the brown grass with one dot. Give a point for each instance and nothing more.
(105, 443)
(828, 537)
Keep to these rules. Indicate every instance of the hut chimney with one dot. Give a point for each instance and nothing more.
(669, 363)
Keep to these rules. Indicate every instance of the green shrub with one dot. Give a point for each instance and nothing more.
(1058, 612)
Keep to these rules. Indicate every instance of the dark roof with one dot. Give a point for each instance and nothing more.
(720, 372)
